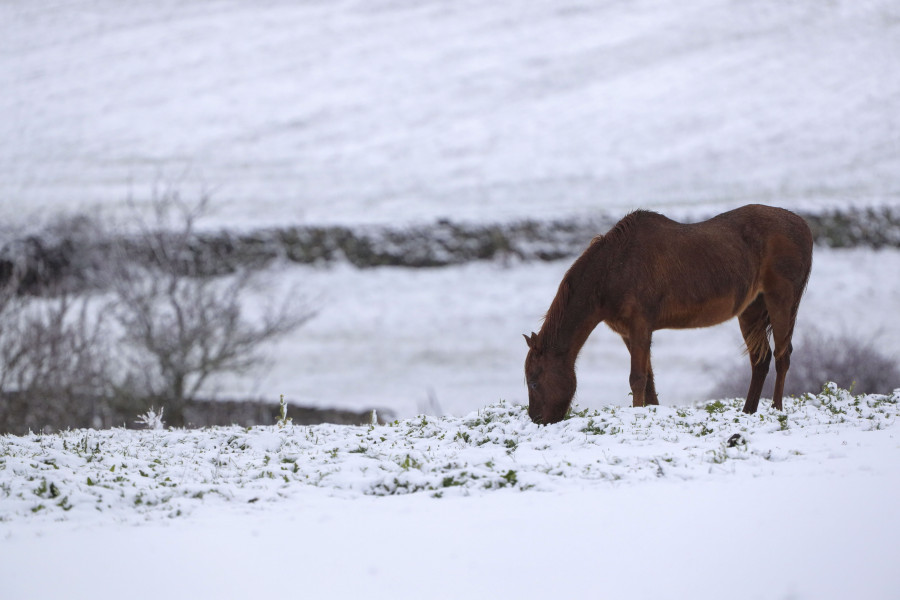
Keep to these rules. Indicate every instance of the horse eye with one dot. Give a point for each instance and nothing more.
(532, 385)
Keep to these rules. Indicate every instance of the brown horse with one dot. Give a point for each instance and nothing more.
(649, 272)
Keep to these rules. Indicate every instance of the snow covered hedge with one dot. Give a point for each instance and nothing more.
(72, 252)
(136, 475)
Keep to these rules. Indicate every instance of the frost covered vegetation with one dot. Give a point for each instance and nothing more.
(157, 474)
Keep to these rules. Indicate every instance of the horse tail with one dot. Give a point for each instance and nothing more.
(757, 337)
(795, 308)
(801, 287)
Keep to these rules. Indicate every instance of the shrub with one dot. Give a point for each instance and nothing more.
(54, 359)
(179, 324)
(816, 360)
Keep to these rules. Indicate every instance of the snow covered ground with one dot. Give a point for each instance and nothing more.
(407, 110)
(368, 111)
(618, 503)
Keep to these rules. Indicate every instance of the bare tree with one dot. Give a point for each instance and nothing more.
(177, 320)
(180, 325)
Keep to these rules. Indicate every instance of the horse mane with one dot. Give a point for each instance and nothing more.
(624, 227)
(589, 258)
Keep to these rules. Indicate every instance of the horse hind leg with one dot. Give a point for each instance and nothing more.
(782, 364)
(650, 397)
(782, 330)
(782, 307)
(754, 322)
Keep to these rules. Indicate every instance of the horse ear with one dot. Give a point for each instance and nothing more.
(531, 341)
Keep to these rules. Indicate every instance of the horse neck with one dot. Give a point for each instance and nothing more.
(576, 310)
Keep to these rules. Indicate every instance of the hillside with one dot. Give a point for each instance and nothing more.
(409, 111)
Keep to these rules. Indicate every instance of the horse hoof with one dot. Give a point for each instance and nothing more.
(735, 440)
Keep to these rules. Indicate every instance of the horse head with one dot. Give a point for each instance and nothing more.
(551, 383)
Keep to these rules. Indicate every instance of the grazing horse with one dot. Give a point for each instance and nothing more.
(650, 272)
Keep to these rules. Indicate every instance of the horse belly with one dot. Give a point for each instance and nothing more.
(691, 316)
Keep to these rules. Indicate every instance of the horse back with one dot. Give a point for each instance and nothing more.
(698, 274)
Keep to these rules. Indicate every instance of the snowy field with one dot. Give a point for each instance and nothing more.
(402, 111)
(386, 110)
(688, 502)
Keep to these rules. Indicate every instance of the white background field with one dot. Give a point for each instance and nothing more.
(407, 110)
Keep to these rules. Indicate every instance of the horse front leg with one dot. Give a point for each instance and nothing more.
(643, 390)
(650, 397)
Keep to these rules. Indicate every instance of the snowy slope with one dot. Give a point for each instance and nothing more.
(616, 503)
(379, 111)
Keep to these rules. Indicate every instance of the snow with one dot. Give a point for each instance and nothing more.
(409, 111)
(401, 111)
(804, 538)
(621, 502)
